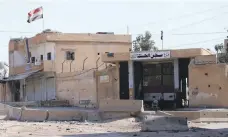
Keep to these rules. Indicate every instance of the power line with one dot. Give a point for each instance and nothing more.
(8, 31)
(199, 42)
(198, 33)
(197, 22)
(193, 33)
(185, 15)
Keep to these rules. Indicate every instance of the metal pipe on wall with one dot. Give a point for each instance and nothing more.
(97, 62)
(62, 65)
(83, 67)
(97, 98)
(70, 64)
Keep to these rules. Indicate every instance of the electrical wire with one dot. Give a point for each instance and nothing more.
(8, 31)
(200, 33)
(184, 16)
(194, 33)
(199, 42)
(197, 22)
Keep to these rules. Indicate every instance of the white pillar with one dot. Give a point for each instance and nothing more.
(176, 74)
(131, 79)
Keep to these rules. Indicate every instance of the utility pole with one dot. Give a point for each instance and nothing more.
(127, 29)
(162, 38)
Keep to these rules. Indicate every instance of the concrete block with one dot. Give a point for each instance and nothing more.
(61, 115)
(3, 109)
(14, 113)
(214, 116)
(33, 115)
(121, 105)
(114, 115)
(190, 115)
(93, 116)
(162, 123)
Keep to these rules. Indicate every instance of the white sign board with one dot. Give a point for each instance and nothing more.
(104, 79)
(150, 55)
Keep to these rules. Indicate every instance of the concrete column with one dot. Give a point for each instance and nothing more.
(131, 79)
(176, 74)
(118, 80)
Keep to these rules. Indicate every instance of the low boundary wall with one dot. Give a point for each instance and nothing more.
(33, 115)
(202, 115)
(121, 105)
(61, 115)
(3, 109)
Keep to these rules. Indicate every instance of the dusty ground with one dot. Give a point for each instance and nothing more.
(120, 128)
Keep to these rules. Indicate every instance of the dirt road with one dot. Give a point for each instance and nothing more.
(120, 128)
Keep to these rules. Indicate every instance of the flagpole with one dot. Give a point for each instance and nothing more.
(162, 44)
(43, 24)
(162, 38)
(43, 19)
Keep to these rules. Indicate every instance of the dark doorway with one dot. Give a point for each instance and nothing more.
(183, 77)
(124, 80)
(17, 91)
(138, 80)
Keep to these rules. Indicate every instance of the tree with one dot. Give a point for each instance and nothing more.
(4, 69)
(218, 47)
(144, 43)
(222, 56)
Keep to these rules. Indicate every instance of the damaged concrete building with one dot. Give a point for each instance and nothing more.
(100, 71)
(61, 66)
(165, 75)
(179, 78)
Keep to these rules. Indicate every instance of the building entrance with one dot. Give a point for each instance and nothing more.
(158, 84)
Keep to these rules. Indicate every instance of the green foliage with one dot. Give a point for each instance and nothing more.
(219, 47)
(144, 43)
(222, 56)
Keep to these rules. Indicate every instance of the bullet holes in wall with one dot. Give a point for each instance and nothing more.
(206, 74)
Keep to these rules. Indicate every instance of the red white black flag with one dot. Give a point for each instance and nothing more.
(35, 14)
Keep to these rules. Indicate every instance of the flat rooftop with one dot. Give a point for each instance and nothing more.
(75, 37)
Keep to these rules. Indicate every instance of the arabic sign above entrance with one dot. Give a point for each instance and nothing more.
(150, 55)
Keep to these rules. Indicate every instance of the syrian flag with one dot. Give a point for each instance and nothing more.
(35, 14)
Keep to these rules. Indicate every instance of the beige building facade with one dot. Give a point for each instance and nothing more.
(189, 81)
(92, 70)
(208, 82)
(61, 66)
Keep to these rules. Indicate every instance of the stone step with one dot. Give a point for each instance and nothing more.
(153, 123)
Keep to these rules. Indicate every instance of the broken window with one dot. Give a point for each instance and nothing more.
(33, 59)
(41, 57)
(49, 56)
(69, 55)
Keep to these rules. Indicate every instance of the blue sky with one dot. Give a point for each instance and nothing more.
(173, 17)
